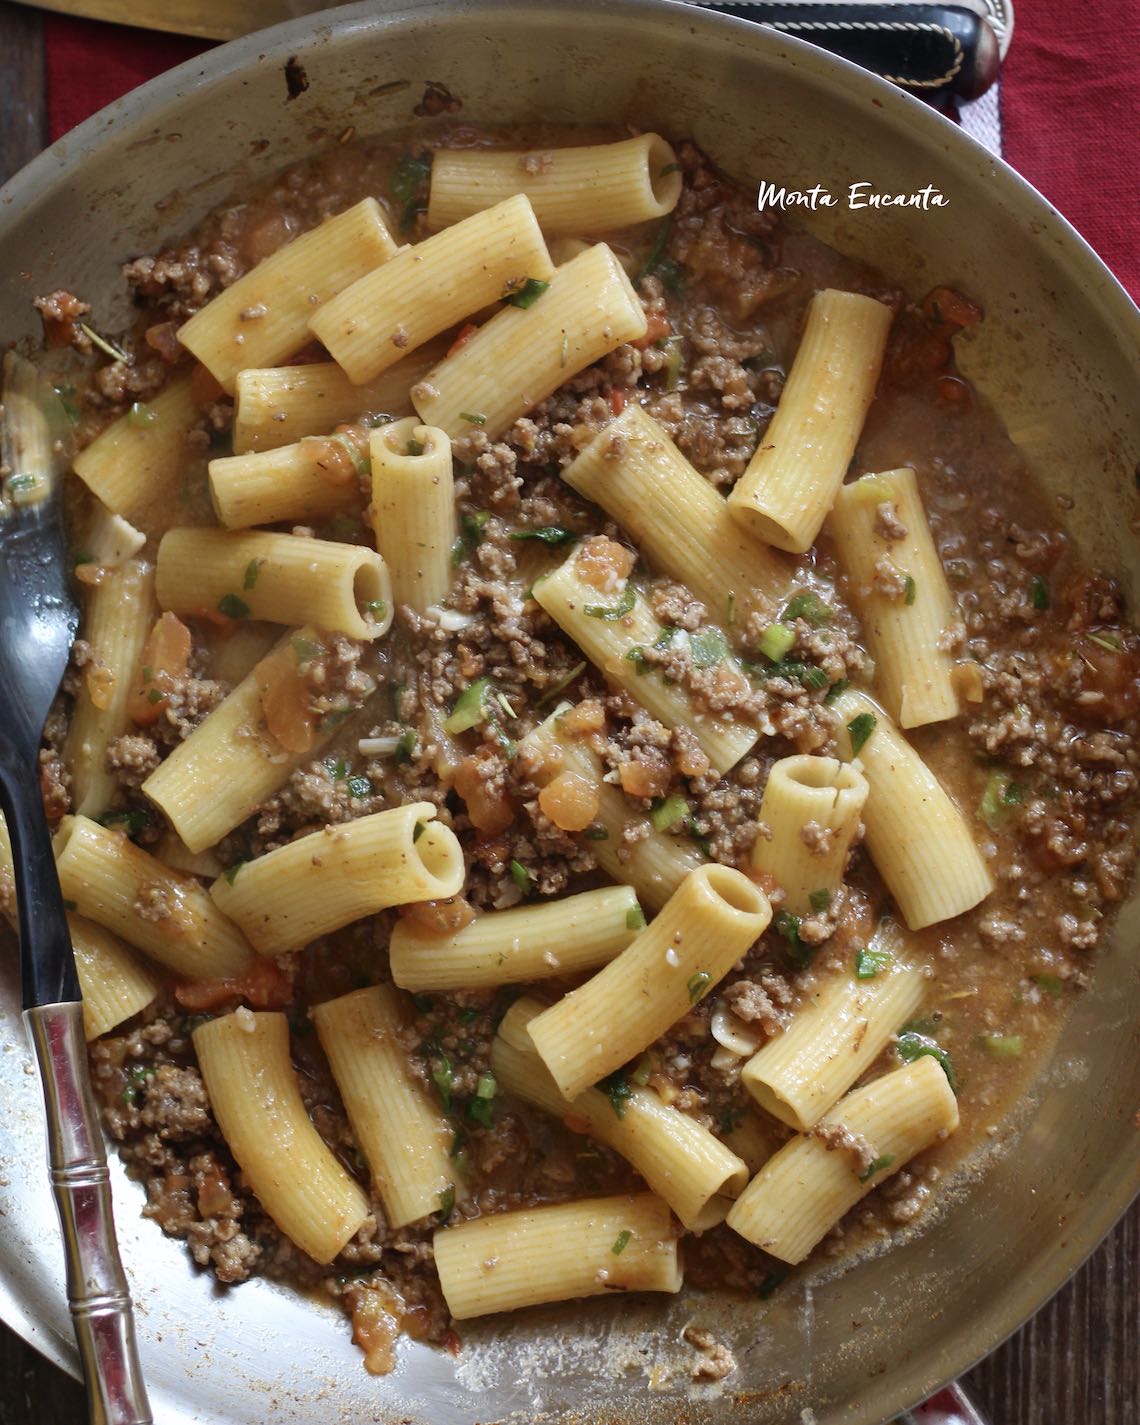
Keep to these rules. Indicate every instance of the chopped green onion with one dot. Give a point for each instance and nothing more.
(665, 638)
(674, 364)
(154, 697)
(359, 788)
(305, 649)
(707, 648)
(407, 187)
(1106, 641)
(133, 822)
(635, 918)
(233, 607)
(612, 612)
(1051, 984)
(336, 768)
(1001, 793)
(441, 1078)
(469, 710)
(486, 1087)
(810, 607)
(777, 641)
(820, 900)
(910, 589)
(447, 1201)
(526, 294)
(552, 535)
(644, 1071)
(418, 830)
(868, 962)
(405, 745)
(641, 665)
(877, 1166)
(667, 813)
(698, 984)
(138, 1075)
(521, 877)
(730, 611)
(473, 418)
(377, 608)
(696, 835)
(1038, 592)
(616, 1088)
(771, 1282)
(621, 1241)
(860, 728)
(1002, 1046)
(414, 447)
(108, 348)
(788, 925)
(361, 460)
(231, 872)
(836, 688)
(575, 672)
(333, 718)
(655, 251)
(596, 833)
(912, 1045)
(252, 569)
(141, 415)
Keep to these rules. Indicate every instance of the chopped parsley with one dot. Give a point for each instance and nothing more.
(1038, 592)
(1051, 984)
(521, 877)
(698, 984)
(860, 728)
(836, 688)
(527, 293)
(233, 607)
(612, 612)
(447, 1202)
(1002, 1046)
(138, 1075)
(869, 963)
(409, 187)
(820, 900)
(473, 418)
(132, 822)
(596, 833)
(252, 570)
(656, 251)
(231, 872)
(910, 589)
(641, 664)
(621, 1241)
(1000, 796)
(788, 925)
(441, 1078)
(635, 918)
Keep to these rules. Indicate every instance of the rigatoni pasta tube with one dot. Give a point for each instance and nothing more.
(591, 189)
(115, 985)
(529, 942)
(406, 1140)
(119, 614)
(264, 316)
(522, 355)
(919, 841)
(413, 509)
(244, 1059)
(277, 405)
(793, 478)
(654, 865)
(293, 482)
(330, 878)
(836, 1034)
(810, 814)
(677, 519)
(679, 1159)
(557, 1253)
(692, 943)
(802, 1192)
(233, 754)
(879, 526)
(166, 914)
(285, 578)
(431, 286)
(135, 465)
(613, 629)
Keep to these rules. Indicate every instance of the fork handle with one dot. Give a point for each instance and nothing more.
(97, 1291)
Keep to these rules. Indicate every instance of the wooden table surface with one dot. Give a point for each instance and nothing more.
(1076, 1363)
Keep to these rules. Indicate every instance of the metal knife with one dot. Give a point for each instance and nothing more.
(935, 50)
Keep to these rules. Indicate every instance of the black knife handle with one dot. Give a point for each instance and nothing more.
(931, 50)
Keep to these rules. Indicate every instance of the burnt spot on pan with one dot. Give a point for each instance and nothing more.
(438, 99)
(296, 80)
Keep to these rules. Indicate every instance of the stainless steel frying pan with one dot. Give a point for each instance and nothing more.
(1057, 355)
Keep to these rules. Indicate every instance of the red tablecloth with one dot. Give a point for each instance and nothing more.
(1069, 115)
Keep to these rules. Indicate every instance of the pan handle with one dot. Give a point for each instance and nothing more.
(97, 1289)
(951, 1406)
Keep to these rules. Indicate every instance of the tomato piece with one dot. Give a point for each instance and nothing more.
(463, 336)
(165, 660)
(286, 701)
(439, 917)
(617, 400)
(488, 807)
(263, 986)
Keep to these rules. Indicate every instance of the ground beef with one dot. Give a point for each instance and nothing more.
(714, 1360)
(765, 1002)
(131, 759)
(835, 1136)
(888, 526)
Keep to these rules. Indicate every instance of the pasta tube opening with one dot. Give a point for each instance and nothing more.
(440, 857)
(735, 891)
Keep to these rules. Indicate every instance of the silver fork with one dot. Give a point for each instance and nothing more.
(38, 620)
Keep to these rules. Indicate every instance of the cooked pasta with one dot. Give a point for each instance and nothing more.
(290, 482)
(413, 510)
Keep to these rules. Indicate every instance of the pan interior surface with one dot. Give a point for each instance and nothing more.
(1055, 356)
